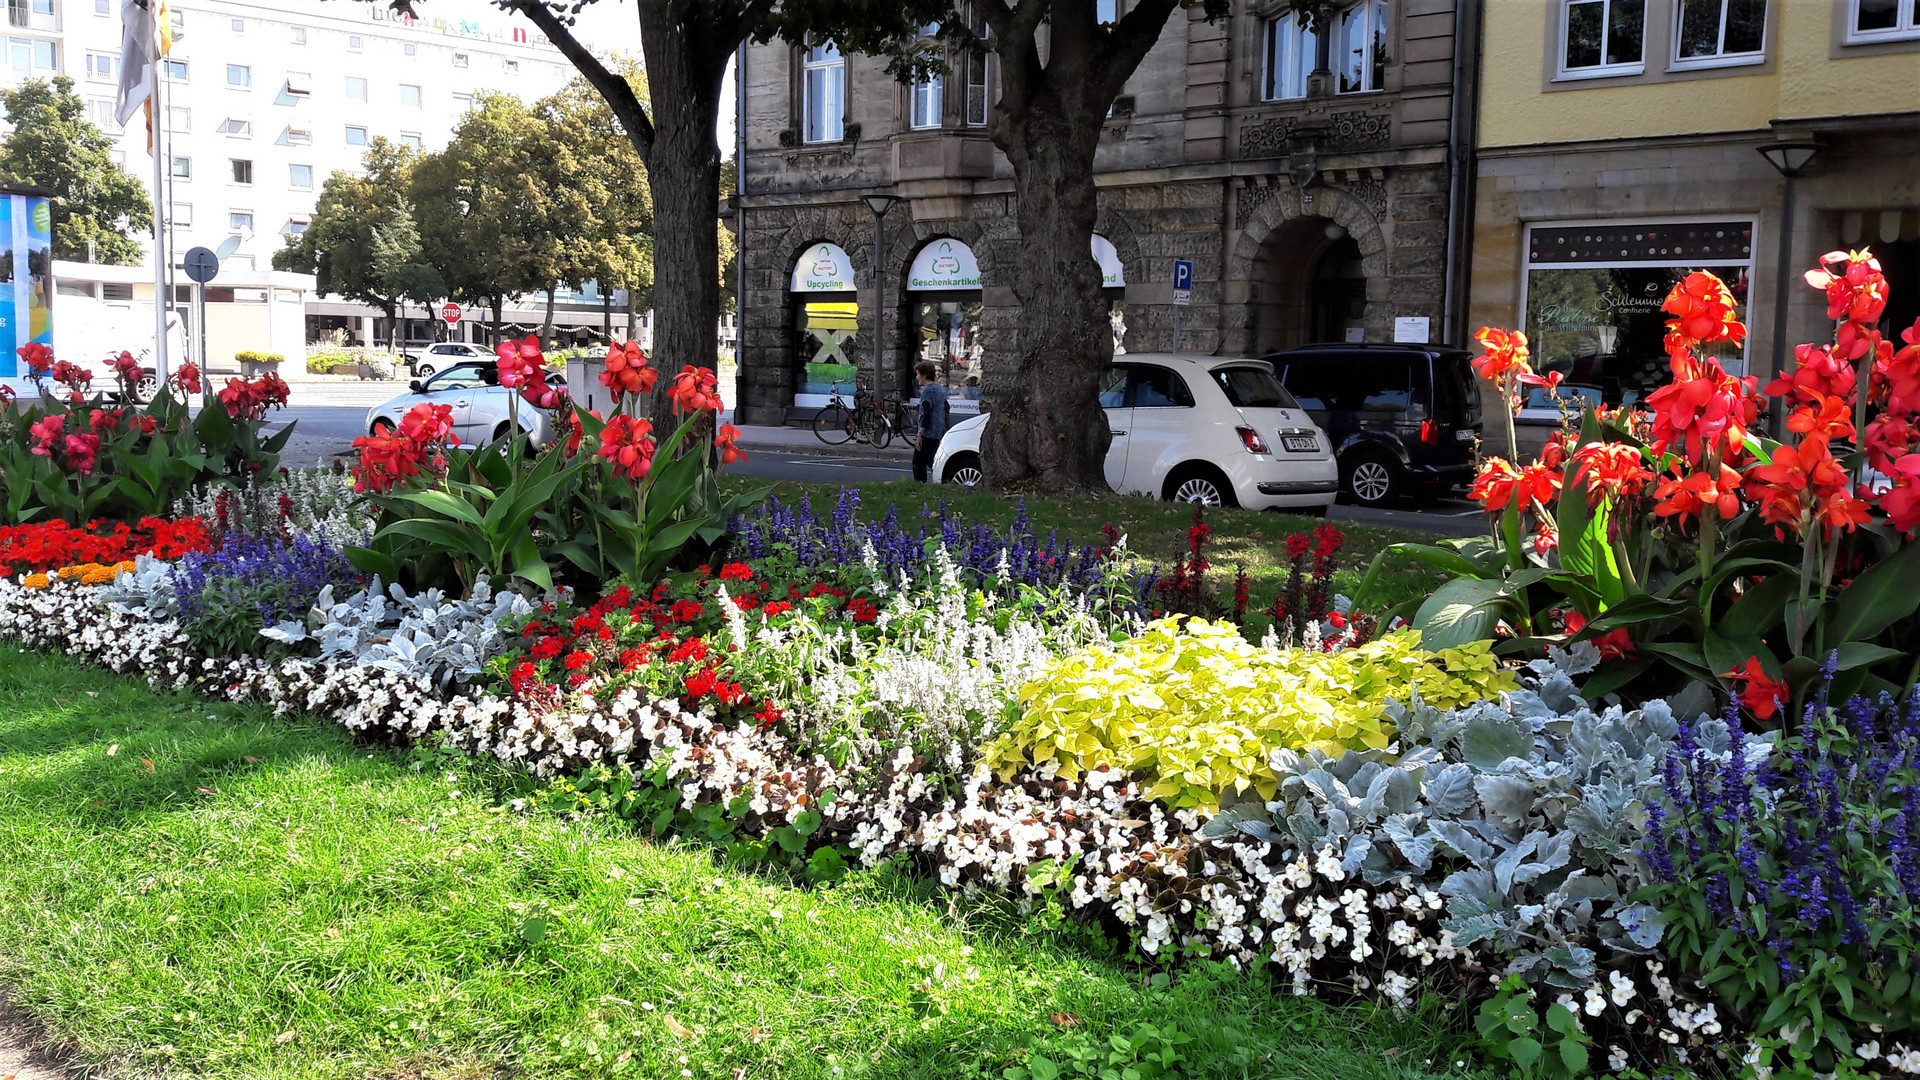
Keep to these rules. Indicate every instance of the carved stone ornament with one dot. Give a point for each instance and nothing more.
(1342, 131)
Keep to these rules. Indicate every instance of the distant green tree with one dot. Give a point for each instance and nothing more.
(101, 209)
(362, 242)
(610, 240)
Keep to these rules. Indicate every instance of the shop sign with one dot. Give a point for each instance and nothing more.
(944, 265)
(1112, 274)
(823, 268)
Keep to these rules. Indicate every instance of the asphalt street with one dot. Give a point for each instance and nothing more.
(332, 414)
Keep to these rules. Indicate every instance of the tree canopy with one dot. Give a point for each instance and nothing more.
(101, 210)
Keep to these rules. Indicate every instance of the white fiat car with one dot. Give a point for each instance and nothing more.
(1204, 429)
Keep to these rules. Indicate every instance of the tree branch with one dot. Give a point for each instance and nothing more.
(1129, 42)
(619, 94)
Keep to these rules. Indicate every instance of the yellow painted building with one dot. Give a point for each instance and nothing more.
(1619, 145)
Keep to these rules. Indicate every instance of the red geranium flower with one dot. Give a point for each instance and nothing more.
(736, 571)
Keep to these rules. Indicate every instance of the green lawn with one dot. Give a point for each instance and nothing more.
(201, 889)
(1157, 531)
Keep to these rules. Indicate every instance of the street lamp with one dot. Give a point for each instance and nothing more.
(1790, 158)
(879, 204)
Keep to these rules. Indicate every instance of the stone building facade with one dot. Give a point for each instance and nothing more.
(1313, 204)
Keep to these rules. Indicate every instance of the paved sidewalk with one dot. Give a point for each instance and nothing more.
(802, 441)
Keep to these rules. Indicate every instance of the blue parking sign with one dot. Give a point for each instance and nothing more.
(1182, 274)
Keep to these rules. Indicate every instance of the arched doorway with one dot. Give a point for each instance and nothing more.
(1308, 285)
(945, 311)
(823, 317)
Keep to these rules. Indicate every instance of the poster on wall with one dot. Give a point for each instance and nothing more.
(1112, 274)
(943, 266)
(26, 276)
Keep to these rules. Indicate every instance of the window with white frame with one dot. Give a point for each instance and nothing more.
(927, 96)
(102, 65)
(179, 119)
(1290, 54)
(103, 114)
(242, 171)
(174, 70)
(300, 177)
(299, 36)
(1714, 32)
(355, 42)
(461, 60)
(297, 136)
(240, 221)
(236, 127)
(30, 57)
(979, 103)
(103, 7)
(1602, 37)
(412, 139)
(1106, 12)
(356, 88)
(356, 136)
(238, 26)
(182, 167)
(824, 93)
(296, 226)
(1882, 20)
(1359, 52)
(182, 213)
(239, 76)
(408, 49)
(299, 84)
(410, 96)
(513, 67)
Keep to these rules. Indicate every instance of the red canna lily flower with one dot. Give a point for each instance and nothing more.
(1613, 470)
(1823, 417)
(38, 356)
(1559, 448)
(1856, 289)
(1687, 496)
(1803, 485)
(1817, 372)
(1546, 537)
(627, 369)
(80, 450)
(1889, 438)
(1703, 407)
(1500, 485)
(1762, 694)
(1896, 377)
(427, 424)
(1702, 308)
(1902, 501)
(626, 443)
(694, 390)
(187, 378)
(1507, 353)
(1613, 645)
(725, 439)
(45, 431)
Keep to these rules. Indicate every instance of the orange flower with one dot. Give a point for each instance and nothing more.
(694, 389)
(1506, 353)
(1687, 496)
(1702, 407)
(1856, 289)
(1613, 470)
(1803, 485)
(1500, 485)
(725, 440)
(1823, 417)
(1762, 694)
(627, 369)
(1702, 308)
(626, 443)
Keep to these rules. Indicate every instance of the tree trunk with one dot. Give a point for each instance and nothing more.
(1048, 431)
(546, 328)
(683, 172)
(606, 312)
(494, 305)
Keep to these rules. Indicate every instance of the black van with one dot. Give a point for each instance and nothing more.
(1403, 418)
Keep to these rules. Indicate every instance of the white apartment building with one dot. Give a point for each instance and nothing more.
(261, 102)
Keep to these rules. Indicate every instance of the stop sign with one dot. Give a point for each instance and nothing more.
(451, 313)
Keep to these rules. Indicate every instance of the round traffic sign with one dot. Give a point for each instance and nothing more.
(201, 264)
(451, 313)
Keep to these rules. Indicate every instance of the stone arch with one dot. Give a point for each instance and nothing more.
(1279, 251)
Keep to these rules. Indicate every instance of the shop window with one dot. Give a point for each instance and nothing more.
(1716, 32)
(1593, 296)
(824, 93)
(1602, 37)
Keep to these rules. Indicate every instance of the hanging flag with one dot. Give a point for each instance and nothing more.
(146, 35)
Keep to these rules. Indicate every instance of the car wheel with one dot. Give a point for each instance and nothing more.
(1372, 478)
(424, 370)
(146, 389)
(964, 469)
(380, 428)
(1202, 484)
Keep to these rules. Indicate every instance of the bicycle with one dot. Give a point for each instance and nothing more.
(835, 424)
(882, 427)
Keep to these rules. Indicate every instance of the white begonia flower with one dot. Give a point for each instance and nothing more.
(1622, 988)
(1596, 1001)
(1867, 1051)
(1616, 1058)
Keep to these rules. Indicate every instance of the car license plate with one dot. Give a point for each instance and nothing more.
(1300, 443)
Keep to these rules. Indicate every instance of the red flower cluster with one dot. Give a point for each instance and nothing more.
(1856, 289)
(127, 370)
(38, 356)
(388, 457)
(695, 389)
(1611, 470)
(1762, 694)
(251, 398)
(186, 378)
(628, 444)
(1507, 354)
(76, 452)
(724, 440)
(1613, 645)
(1702, 308)
(627, 369)
(1500, 486)
(524, 368)
(50, 545)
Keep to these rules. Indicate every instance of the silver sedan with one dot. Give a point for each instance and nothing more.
(483, 410)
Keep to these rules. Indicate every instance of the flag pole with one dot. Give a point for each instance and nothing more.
(160, 297)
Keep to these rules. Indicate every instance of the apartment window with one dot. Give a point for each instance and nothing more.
(461, 60)
(296, 226)
(179, 119)
(979, 77)
(240, 221)
(102, 112)
(30, 57)
(242, 171)
(926, 102)
(297, 137)
(299, 85)
(1290, 54)
(463, 102)
(239, 76)
(1106, 12)
(356, 88)
(513, 67)
(409, 96)
(238, 26)
(300, 177)
(1360, 47)
(103, 7)
(1883, 20)
(356, 136)
(824, 93)
(409, 138)
(1714, 32)
(102, 65)
(1602, 37)
(182, 168)
(236, 127)
(175, 70)
(299, 35)
(355, 43)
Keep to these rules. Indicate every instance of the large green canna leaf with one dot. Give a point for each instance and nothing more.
(1461, 611)
(444, 504)
(1884, 594)
(449, 537)
(1584, 545)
